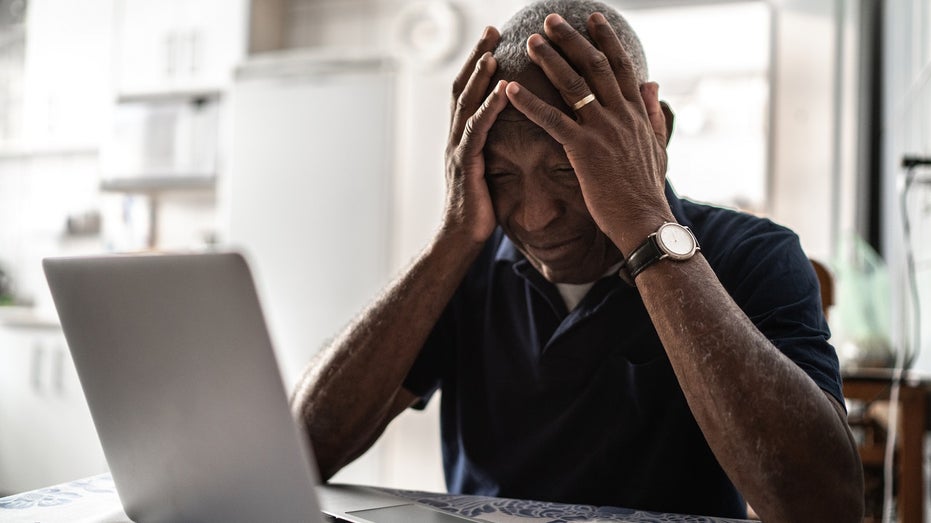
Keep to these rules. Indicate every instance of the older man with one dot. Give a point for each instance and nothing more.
(597, 339)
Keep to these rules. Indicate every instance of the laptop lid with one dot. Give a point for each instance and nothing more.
(178, 370)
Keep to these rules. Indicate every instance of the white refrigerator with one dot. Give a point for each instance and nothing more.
(309, 191)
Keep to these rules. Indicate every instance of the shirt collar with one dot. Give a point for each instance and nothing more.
(507, 251)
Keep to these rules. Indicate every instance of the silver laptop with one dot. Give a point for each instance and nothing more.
(178, 370)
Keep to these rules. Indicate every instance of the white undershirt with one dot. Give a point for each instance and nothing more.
(572, 293)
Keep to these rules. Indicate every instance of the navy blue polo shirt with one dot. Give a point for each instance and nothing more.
(583, 406)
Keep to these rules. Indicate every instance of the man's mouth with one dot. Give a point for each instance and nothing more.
(551, 251)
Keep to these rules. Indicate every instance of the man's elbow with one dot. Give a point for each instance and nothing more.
(829, 487)
(850, 500)
(848, 487)
(851, 491)
(840, 498)
(840, 501)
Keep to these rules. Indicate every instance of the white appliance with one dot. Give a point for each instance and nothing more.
(309, 193)
(171, 137)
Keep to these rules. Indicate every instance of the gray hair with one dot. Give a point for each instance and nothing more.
(511, 52)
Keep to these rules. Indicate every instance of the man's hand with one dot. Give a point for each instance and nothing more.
(468, 204)
(617, 143)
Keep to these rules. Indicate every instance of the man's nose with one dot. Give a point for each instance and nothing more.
(538, 208)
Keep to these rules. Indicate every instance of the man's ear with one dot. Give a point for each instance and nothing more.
(669, 117)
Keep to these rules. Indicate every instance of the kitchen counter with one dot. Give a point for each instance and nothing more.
(19, 316)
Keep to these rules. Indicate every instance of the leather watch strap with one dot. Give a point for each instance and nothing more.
(671, 240)
(643, 256)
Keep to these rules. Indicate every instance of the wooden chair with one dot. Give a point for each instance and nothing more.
(872, 423)
(827, 285)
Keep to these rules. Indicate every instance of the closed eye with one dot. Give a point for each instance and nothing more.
(565, 174)
(499, 176)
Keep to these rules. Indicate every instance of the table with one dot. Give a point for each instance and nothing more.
(870, 385)
(95, 500)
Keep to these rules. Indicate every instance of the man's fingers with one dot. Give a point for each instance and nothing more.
(472, 95)
(476, 127)
(606, 39)
(571, 86)
(561, 127)
(485, 44)
(585, 58)
(650, 93)
(670, 118)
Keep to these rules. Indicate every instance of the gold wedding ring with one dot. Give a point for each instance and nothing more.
(583, 102)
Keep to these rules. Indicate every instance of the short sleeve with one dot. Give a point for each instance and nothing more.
(425, 375)
(772, 280)
(460, 321)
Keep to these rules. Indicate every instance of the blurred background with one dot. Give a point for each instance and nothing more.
(310, 135)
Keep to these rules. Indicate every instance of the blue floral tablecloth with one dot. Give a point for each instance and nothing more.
(94, 500)
(503, 510)
(86, 500)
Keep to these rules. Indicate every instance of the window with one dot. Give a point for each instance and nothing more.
(712, 65)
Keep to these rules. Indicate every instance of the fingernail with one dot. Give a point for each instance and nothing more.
(535, 40)
(499, 86)
(486, 34)
(599, 18)
(513, 88)
(558, 19)
(482, 60)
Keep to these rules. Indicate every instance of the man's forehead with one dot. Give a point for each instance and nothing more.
(534, 79)
(512, 124)
(512, 118)
(518, 137)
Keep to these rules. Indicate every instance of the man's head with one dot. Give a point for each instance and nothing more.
(536, 196)
(511, 53)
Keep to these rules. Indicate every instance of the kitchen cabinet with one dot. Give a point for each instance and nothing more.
(174, 60)
(178, 45)
(46, 432)
(66, 74)
(12, 57)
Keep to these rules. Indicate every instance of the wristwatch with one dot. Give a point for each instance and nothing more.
(671, 240)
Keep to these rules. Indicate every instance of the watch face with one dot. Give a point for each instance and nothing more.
(676, 240)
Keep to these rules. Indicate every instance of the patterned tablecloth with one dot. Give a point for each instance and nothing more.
(95, 500)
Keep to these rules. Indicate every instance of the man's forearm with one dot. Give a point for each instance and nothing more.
(351, 389)
(776, 434)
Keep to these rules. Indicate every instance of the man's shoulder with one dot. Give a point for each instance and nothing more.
(744, 249)
(724, 230)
